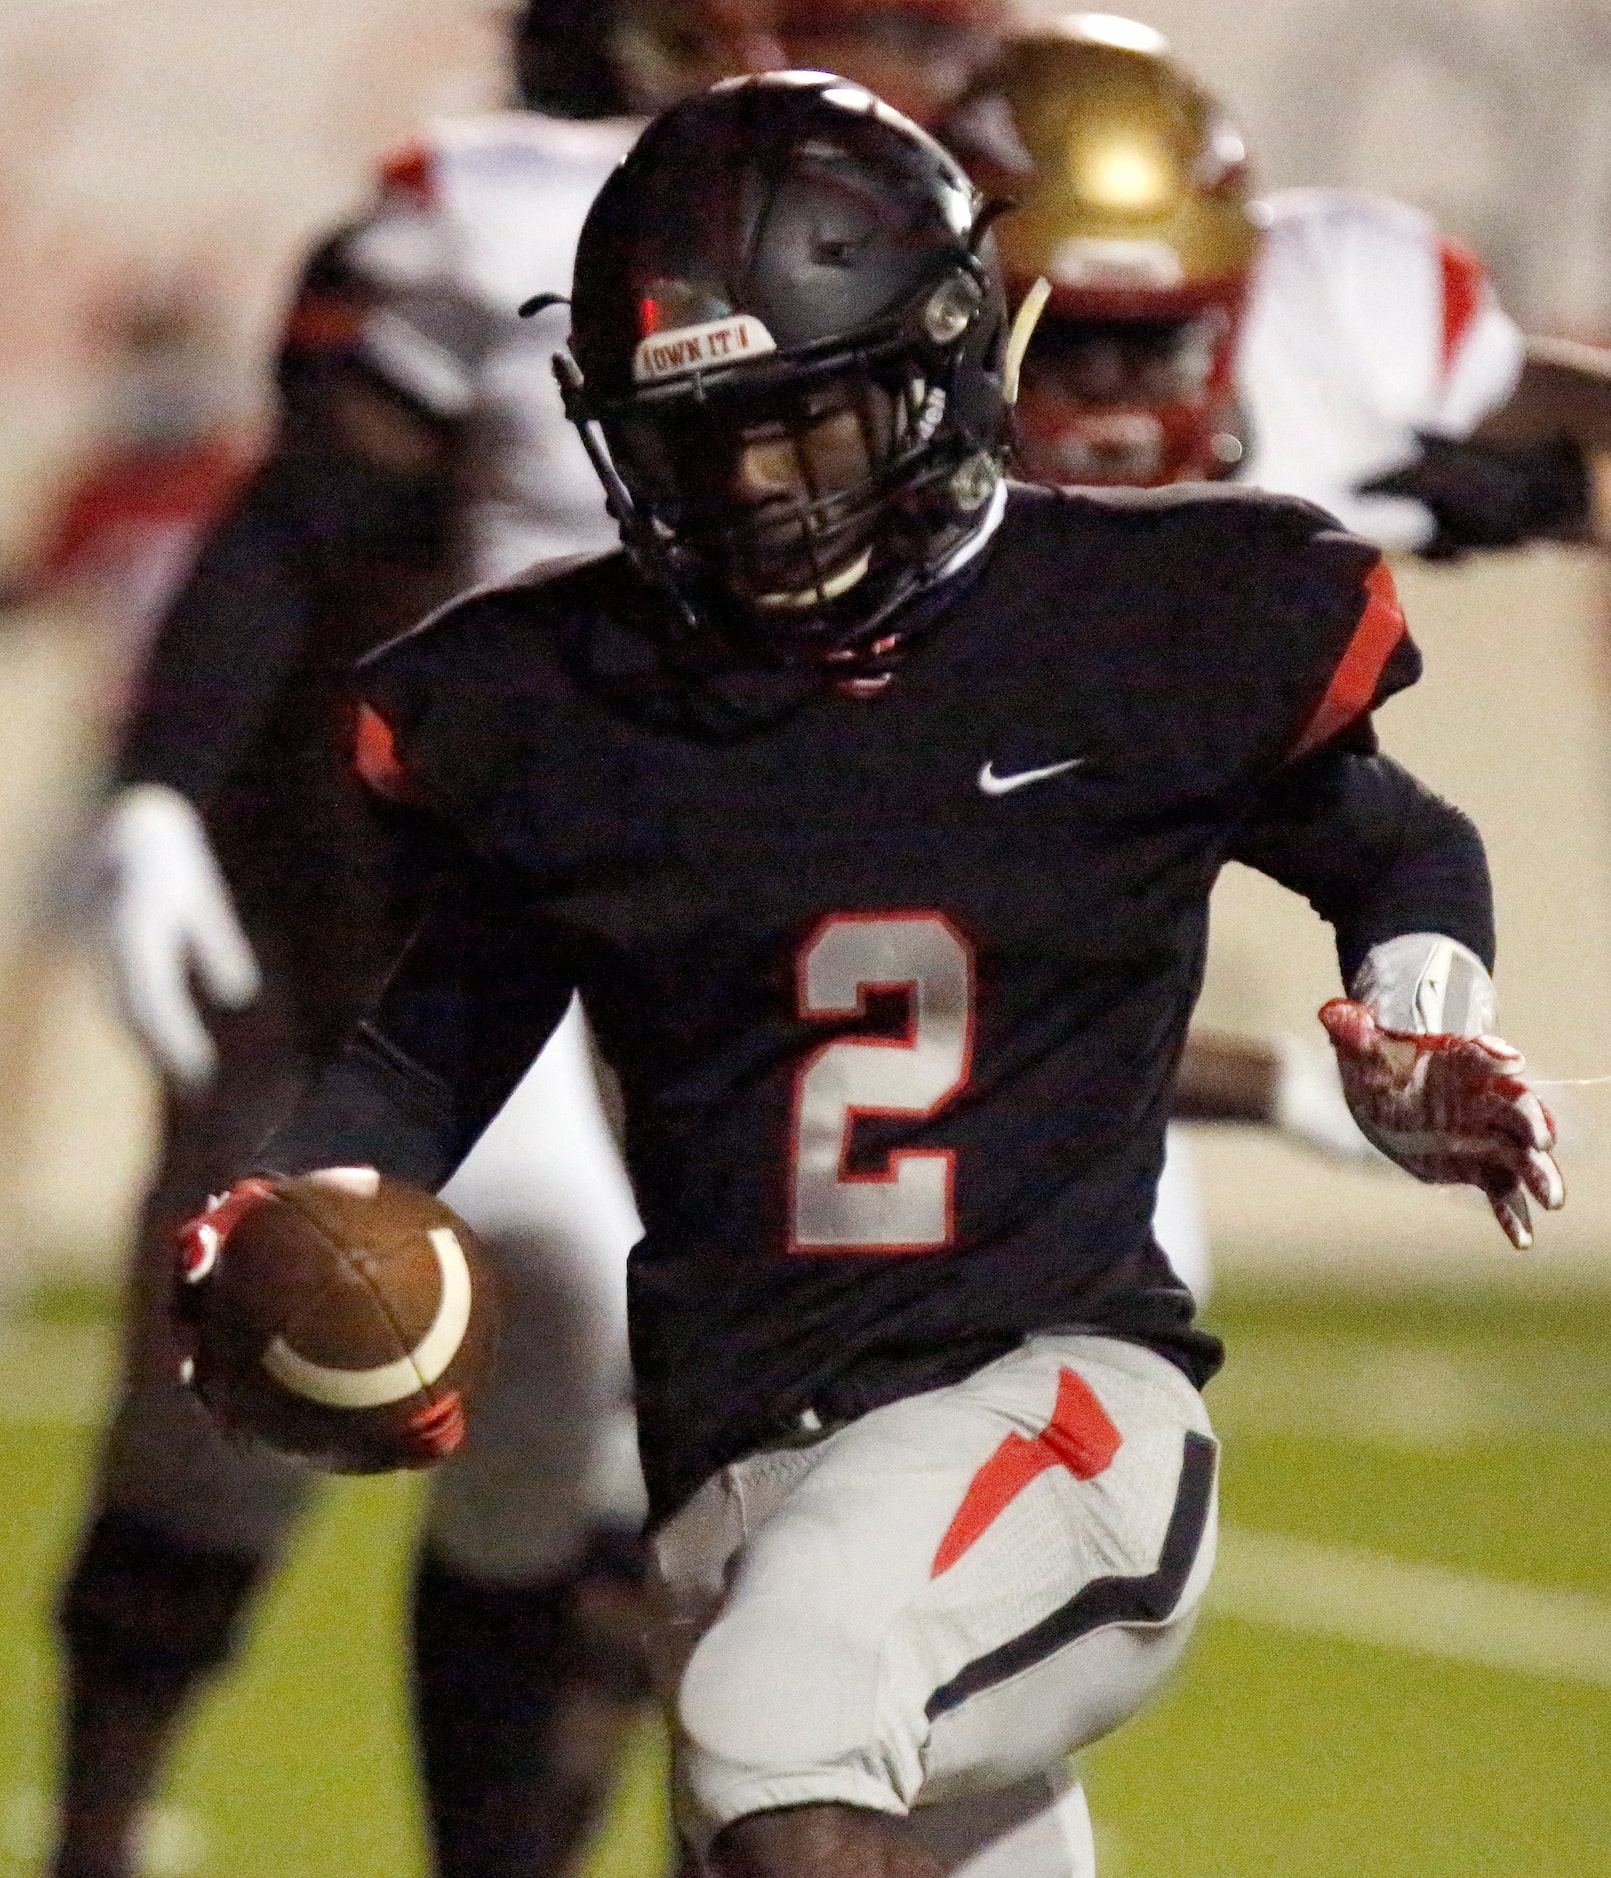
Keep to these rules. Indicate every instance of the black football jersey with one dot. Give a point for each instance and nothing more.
(895, 985)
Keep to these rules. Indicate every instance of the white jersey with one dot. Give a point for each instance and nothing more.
(1365, 326)
(474, 218)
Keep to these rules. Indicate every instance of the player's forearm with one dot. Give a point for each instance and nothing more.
(465, 1013)
(1226, 1078)
(372, 1107)
(1564, 391)
(1375, 852)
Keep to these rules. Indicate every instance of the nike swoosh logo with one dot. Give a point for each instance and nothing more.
(994, 785)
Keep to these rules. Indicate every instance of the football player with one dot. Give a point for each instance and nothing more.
(873, 805)
(422, 447)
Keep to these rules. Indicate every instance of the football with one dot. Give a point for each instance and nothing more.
(339, 1317)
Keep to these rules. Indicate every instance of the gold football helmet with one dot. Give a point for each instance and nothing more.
(1132, 199)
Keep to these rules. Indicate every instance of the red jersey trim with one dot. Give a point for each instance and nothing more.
(375, 758)
(1465, 282)
(1079, 1437)
(1359, 670)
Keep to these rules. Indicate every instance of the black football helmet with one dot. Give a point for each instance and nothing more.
(788, 340)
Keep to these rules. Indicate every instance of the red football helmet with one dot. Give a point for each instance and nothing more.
(1132, 200)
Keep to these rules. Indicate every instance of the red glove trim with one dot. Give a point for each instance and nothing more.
(1353, 684)
(202, 1237)
(438, 1430)
(407, 171)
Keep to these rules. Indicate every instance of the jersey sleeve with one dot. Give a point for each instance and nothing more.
(466, 1012)
(431, 713)
(1284, 632)
(1378, 659)
(1482, 349)
(1374, 851)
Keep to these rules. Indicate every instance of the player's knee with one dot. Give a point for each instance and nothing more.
(778, 1708)
(141, 1605)
(828, 1841)
(773, 1683)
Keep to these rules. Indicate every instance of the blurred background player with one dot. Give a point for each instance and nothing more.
(421, 448)
(174, 450)
(1322, 343)
(380, 495)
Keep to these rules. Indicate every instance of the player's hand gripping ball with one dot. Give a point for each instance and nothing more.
(342, 1318)
(1449, 1109)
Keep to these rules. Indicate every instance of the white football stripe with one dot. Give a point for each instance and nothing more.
(387, 1382)
(1429, 1610)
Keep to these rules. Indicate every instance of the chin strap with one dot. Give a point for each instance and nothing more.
(637, 530)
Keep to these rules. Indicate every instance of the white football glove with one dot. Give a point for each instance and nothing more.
(1433, 1088)
(167, 917)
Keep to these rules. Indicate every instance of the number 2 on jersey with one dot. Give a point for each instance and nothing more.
(906, 1206)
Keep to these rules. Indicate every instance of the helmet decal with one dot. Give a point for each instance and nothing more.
(696, 348)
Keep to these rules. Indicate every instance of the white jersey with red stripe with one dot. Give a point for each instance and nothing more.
(474, 218)
(1366, 325)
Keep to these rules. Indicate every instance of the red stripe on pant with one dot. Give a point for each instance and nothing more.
(1079, 1436)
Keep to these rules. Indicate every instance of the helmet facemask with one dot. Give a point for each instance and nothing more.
(799, 503)
(800, 507)
(1137, 402)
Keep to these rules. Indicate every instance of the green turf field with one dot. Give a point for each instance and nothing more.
(1406, 1672)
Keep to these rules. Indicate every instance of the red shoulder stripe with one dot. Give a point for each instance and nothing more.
(1465, 280)
(375, 757)
(407, 172)
(1353, 684)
